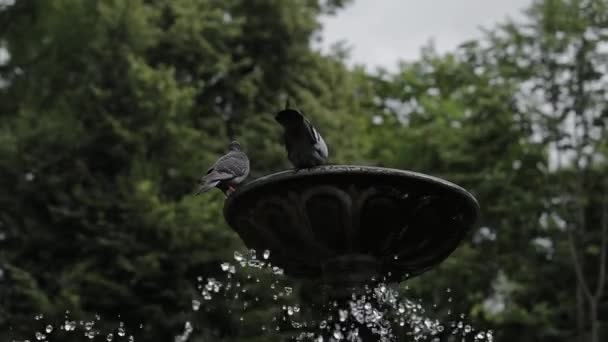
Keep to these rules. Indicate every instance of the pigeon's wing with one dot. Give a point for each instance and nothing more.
(321, 148)
(215, 175)
(233, 163)
(311, 132)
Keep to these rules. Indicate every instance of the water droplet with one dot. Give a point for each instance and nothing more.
(69, 325)
(480, 335)
(323, 324)
(29, 176)
(49, 329)
(266, 254)
(289, 310)
(39, 317)
(338, 335)
(40, 336)
(121, 329)
(238, 256)
(196, 304)
(225, 266)
(343, 315)
(288, 290)
(256, 264)
(110, 337)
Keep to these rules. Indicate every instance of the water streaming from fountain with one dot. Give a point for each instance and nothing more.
(386, 312)
(380, 308)
(88, 328)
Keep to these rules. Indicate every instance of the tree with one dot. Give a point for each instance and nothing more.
(522, 109)
(110, 111)
(450, 117)
(565, 93)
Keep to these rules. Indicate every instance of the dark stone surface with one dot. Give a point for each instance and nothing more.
(344, 223)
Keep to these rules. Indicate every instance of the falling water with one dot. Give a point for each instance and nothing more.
(87, 328)
(380, 309)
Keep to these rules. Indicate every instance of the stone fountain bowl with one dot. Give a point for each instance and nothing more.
(352, 220)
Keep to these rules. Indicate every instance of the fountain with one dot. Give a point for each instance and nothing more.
(344, 230)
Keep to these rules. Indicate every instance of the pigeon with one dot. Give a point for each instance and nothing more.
(305, 146)
(227, 172)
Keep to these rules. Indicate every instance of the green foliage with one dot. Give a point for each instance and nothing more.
(110, 112)
(497, 116)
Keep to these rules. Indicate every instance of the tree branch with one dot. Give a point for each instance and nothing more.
(601, 282)
(577, 266)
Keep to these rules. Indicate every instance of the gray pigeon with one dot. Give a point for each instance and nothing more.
(305, 146)
(227, 172)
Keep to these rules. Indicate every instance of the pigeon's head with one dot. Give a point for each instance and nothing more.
(234, 146)
(289, 117)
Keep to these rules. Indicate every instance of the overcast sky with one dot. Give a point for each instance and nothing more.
(381, 32)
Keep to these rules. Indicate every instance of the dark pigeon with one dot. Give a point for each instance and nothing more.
(305, 146)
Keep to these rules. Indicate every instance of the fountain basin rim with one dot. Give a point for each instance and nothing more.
(346, 170)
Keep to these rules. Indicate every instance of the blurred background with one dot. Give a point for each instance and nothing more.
(111, 110)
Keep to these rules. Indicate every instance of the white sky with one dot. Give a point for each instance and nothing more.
(382, 32)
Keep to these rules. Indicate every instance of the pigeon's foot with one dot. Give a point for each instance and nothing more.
(230, 190)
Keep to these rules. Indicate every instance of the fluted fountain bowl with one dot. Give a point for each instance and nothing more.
(352, 221)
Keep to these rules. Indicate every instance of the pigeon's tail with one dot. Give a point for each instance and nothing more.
(206, 186)
(288, 117)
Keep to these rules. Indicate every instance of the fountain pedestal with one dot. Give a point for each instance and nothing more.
(343, 226)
